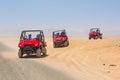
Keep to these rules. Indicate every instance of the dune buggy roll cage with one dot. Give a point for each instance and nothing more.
(59, 31)
(23, 34)
(95, 29)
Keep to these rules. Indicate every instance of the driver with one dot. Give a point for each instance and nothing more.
(29, 37)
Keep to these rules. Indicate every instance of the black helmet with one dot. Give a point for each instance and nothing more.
(29, 35)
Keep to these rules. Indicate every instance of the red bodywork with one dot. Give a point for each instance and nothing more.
(34, 43)
(93, 33)
(61, 38)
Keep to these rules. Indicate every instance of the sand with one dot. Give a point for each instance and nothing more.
(83, 60)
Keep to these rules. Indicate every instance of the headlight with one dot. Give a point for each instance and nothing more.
(36, 44)
(20, 45)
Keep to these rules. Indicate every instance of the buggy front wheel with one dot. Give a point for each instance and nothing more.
(20, 54)
(44, 51)
(38, 52)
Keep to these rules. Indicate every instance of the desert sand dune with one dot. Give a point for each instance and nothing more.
(83, 60)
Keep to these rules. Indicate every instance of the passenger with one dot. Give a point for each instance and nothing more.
(63, 34)
(38, 37)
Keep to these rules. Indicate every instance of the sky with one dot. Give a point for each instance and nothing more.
(76, 16)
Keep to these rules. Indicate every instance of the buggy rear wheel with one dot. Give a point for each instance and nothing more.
(20, 54)
(44, 51)
(66, 43)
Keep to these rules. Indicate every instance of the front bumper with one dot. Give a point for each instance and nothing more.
(28, 49)
(60, 43)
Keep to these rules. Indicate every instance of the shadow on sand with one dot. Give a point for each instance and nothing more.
(34, 57)
(4, 47)
(62, 47)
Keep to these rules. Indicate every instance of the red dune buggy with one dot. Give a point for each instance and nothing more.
(95, 33)
(32, 42)
(60, 39)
